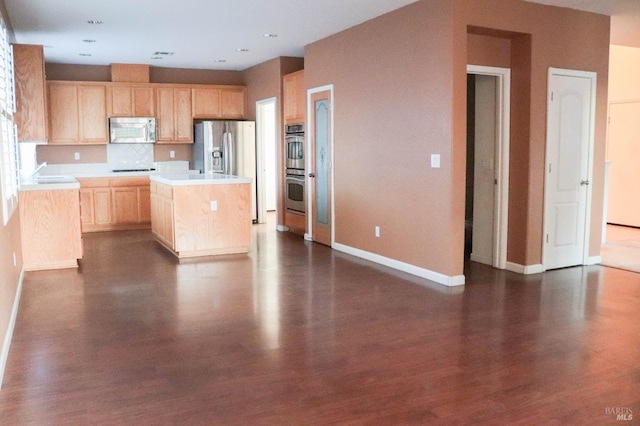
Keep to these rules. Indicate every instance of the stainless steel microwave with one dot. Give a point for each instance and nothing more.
(132, 129)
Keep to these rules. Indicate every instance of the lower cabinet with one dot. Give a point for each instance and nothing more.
(162, 212)
(50, 229)
(108, 204)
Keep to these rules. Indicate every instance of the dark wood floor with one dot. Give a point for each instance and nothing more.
(298, 334)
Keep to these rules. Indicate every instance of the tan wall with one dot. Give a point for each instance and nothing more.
(400, 95)
(10, 243)
(264, 81)
(73, 72)
(624, 77)
(489, 51)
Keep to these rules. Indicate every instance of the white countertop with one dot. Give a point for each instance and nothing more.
(49, 183)
(185, 179)
(103, 170)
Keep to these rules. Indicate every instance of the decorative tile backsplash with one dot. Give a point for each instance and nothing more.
(129, 156)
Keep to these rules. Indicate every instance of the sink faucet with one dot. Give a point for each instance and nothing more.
(40, 167)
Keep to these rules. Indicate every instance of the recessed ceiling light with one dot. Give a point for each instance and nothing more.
(95, 22)
(163, 53)
(268, 35)
(220, 61)
(242, 50)
(87, 40)
(84, 54)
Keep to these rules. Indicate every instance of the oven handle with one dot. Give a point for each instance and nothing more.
(295, 177)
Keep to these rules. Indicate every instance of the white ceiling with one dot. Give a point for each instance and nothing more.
(198, 31)
(203, 32)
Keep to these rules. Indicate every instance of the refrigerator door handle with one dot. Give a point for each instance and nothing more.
(225, 153)
(230, 152)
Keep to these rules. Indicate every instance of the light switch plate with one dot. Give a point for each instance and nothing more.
(435, 161)
(76, 155)
(214, 206)
(172, 154)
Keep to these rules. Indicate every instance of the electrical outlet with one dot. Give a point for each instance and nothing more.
(214, 206)
(76, 155)
(172, 154)
(435, 161)
(15, 260)
(377, 232)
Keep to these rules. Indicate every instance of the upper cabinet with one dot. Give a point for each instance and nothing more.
(77, 112)
(228, 102)
(173, 113)
(31, 105)
(293, 101)
(127, 100)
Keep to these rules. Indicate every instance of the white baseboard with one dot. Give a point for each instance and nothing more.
(526, 270)
(594, 260)
(282, 228)
(308, 237)
(4, 355)
(447, 280)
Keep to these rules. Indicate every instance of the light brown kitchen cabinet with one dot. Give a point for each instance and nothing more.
(162, 213)
(63, 113)
(108, 204)
(223, 102)
(31, 103)
(93, 113)
(77, 113)
(174, 118)
(294, 97)
(50, 229)
(127, 100)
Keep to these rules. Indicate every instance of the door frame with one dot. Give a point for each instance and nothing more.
(592, 76)
(503, 126)
(260, 159)
(308, 164)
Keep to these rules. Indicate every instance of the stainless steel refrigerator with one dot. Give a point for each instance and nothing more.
(227, 147)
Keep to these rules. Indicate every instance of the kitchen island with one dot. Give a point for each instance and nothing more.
(201, 214)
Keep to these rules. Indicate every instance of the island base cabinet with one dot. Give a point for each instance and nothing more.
(50, 228)
(202, 220)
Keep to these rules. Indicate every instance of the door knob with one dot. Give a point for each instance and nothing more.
(584, 182)
(312, 175)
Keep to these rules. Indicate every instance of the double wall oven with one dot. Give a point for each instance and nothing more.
(294, 168)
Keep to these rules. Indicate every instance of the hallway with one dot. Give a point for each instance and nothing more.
(295, 333)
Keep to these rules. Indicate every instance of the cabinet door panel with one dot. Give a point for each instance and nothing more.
(143, 102)
(125, 205)
(93, 113)
(233, 103)
(206, 102)
(165, 123)
(183, 116)
(31, 105)
(119, 101)
(144, 204)
(63, 113)
(102, 205)
(86, 207)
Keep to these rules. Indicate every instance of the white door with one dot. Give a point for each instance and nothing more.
(623, 150)
(570, 119)
(484, 176)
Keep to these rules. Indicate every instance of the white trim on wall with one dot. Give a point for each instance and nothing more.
(503, 127)
(437, 277)
(525, 270)
(4, 355)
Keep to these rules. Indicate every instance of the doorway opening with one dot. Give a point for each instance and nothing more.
(266, 149)
(487, 177)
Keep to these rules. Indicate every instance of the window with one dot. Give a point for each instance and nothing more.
(8, 133)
